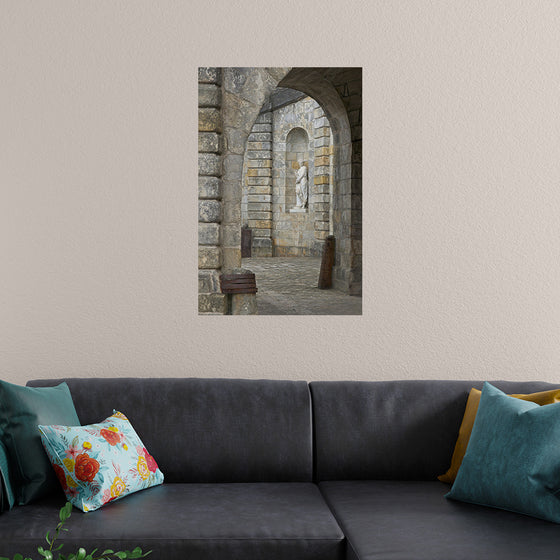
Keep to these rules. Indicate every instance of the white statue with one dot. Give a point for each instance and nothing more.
(301, 187)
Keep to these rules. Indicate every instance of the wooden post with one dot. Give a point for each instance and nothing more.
(246, 242)
(327, 262)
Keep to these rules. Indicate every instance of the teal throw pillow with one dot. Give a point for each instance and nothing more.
(100, 463)
(6, 489)
(513, 457)
(21, 410)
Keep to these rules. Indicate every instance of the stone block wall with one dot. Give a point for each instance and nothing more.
(258, 185)
(348, 84)
(210, 300)
(269, 181)
(322, 181)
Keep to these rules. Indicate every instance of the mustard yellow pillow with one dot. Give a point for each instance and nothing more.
(541, 398)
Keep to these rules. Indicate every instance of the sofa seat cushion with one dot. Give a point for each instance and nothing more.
(195, 521)
(412, 520)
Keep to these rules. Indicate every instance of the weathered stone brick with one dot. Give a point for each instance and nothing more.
(321, 234)
(259, 189)
(357, 152)
(260, 146)
(209, 142)
(259, 180)
(209, 257)
(322, 170)
(208, 281)
(231, 235)
(320, 142)
(260, 137)
(260, 163)
(261, 232)
(321, 179)
(355, 117)
(321, 206)
(209, 75)
(323, 160)
(208, 234)
(353, 102)
(322, 216)
(321, 226)
(209, 95)
(209, 120)
(209, 164)
(209, 211)
(262, 224)
(258, 207)
(257, 154)
(323, 131)
(232, 168)
(234, 140)
(232, 213)
(321, 122)
(354, 87)
(209, 187)
(259, 198)
(324, 151)
(323, 188)
(264, 118)
(244, 304)
(212, 304)
(255, 172)
(260, 215)
(262, 127)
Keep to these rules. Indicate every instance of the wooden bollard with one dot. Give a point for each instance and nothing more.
(327, 262)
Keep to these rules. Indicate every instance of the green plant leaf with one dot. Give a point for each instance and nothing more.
(18, 557)
(46, 554)
(121, 555)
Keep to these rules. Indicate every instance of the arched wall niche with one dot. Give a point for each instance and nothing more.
(297, 154)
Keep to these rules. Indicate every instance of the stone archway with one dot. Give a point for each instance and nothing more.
(231, 102)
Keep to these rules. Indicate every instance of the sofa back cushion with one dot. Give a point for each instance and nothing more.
(208, 430)
(400, 430)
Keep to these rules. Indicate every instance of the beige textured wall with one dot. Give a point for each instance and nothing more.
(461, 189)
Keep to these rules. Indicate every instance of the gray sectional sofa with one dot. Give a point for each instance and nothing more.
(287, 470)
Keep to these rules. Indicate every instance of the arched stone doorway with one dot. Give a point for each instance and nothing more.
(238, 95)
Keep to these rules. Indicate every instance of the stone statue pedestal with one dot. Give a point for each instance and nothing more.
(296, 210)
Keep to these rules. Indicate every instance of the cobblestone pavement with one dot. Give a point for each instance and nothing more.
(288, 286)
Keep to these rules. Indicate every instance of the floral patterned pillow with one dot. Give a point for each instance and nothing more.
(99, 463)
